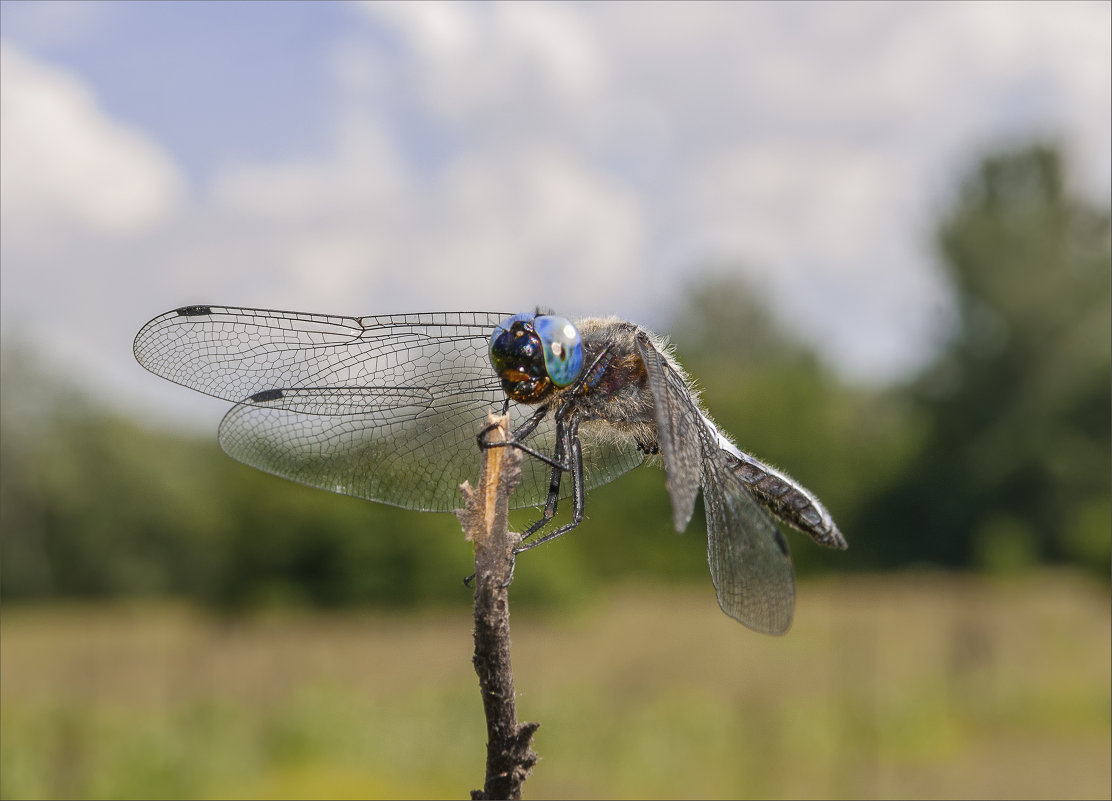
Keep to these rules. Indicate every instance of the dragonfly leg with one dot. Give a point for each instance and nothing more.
(588, 376)
(530, 425)
(559, 467)
(527, 428)
(567, 444)
(554, 482)
(575, 459)
(566, 458)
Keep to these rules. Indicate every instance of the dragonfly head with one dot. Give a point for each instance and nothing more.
(535, 353)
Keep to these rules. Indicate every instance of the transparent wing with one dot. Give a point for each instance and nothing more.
(679, 427)
(383, 408)
(236, 354)
(396, 447)
(605, 457)
(749, 561)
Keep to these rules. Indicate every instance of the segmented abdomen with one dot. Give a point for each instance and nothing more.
(785, 498)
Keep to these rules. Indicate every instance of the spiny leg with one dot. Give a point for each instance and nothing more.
(516, 437)
(556, 461)
(569, 451)
(568, 457)
(575, 467)
(560, 466)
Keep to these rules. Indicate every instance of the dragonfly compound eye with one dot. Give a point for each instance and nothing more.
(519, 357)
(563, 349)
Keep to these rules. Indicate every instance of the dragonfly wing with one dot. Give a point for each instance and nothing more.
(749, 560)
(679, 428)
(238, 354)
(605, 457)
(409, 448)
(384, 408)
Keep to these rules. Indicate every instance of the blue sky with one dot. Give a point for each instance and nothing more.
(211, 85)
(370, 158)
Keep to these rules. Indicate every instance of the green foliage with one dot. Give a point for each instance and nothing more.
(1015, 465)
(780, 403)
(96, 506)
(996, 458)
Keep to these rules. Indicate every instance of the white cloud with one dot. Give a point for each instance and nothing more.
(508, 229)
(497, 58)
(813, 143)
(584, 156)
(362, 170)
(536, 226)
(68, 165)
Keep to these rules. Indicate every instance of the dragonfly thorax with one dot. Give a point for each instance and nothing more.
(534, 354)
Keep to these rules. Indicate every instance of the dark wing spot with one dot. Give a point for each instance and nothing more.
(266, 396)
(194, 311)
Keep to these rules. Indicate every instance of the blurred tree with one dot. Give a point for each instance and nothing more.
(998, 455)
(93, 505)
(1015, 467)
(781, 403)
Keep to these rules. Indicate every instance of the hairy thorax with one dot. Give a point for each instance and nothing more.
(615, 387)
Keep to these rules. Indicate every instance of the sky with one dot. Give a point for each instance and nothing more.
(592, 158)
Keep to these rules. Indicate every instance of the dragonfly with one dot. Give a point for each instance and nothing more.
(388, 408)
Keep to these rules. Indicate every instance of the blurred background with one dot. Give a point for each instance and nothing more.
(878, 235)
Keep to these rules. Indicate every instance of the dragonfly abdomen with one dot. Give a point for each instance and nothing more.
(785, 498)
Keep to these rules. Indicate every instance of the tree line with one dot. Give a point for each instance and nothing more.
(996, 457)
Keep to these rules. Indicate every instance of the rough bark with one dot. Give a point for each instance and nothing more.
(510, 757)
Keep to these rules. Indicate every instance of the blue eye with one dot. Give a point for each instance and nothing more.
(563, 349)
(506, 325)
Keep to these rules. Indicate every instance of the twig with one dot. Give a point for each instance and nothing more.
(510, 756)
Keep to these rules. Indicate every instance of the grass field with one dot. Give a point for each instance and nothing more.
(918, 685)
